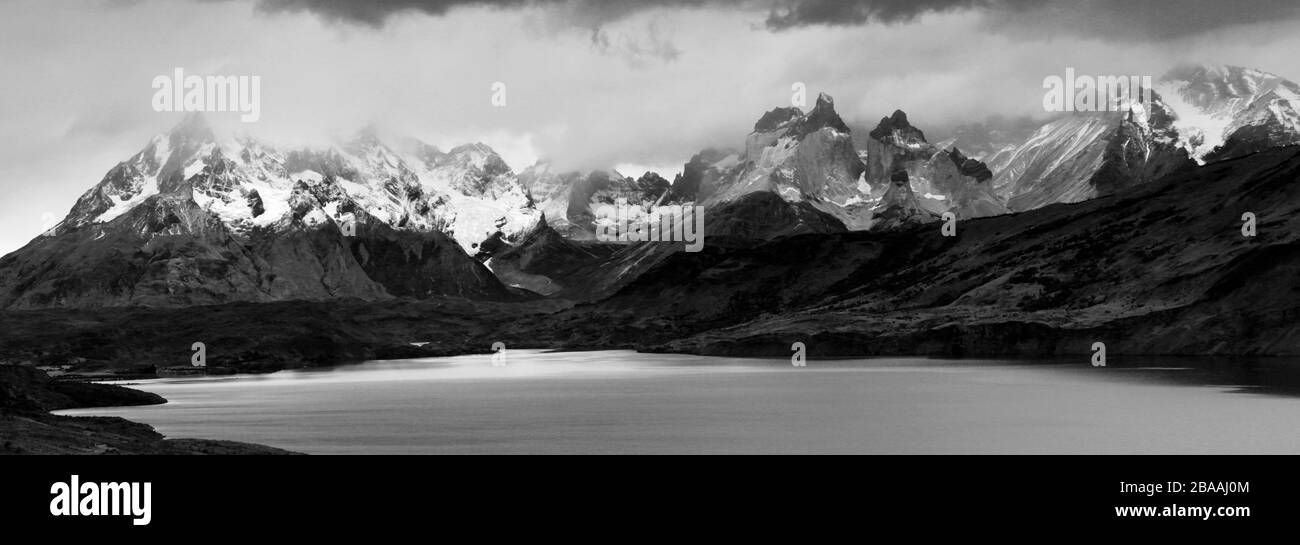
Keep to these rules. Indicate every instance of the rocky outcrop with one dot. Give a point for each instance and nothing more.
(924, 181)
(899, 207)
(547, 263)
(801, 158)
(965, 184)
(894, 141)
(765, 216)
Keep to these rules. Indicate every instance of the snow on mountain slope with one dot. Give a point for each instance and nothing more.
(468, 193)
(1055, 163)
(1085, 155)
(193, 220)
(482, 195)
(569, 199)
(1227, 111)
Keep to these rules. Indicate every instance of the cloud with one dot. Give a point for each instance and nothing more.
(376, 12)
(798, 13)
(637, 48)
(1144, 21)
(1127, 21)
(783, 13)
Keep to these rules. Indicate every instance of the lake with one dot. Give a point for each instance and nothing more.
(626, 402)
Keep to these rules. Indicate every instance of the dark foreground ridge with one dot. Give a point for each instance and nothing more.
(26, 426)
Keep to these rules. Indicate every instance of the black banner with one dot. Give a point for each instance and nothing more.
(722, 496)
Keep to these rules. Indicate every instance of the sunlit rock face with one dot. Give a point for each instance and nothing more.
(802, 158)
(899, 207)
(1087, 155)
(938, 180)
(965, 184)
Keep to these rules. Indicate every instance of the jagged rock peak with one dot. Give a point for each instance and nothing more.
(652, 179)
(777, 118)
(896, 123)
(823, 115)
(473, 147)
(969, 167)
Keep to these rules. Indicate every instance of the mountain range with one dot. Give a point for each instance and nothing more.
(193, 219)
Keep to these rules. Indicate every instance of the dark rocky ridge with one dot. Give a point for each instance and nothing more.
(970, 167)
(27, 395)
(170, 252)
(765, 216)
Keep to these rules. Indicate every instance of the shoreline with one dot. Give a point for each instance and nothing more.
(28, 395)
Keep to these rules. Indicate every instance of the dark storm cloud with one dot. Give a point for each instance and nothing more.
(376, 12)
(783, 13)
(1127, 20)
(1147, 20)
(798, 13)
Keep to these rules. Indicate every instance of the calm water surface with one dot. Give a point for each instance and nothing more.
(625, 402)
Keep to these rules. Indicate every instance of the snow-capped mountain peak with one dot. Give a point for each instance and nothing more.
(468, 193)
(1225, 111)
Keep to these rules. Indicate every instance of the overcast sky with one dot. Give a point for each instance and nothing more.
(589, 83)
